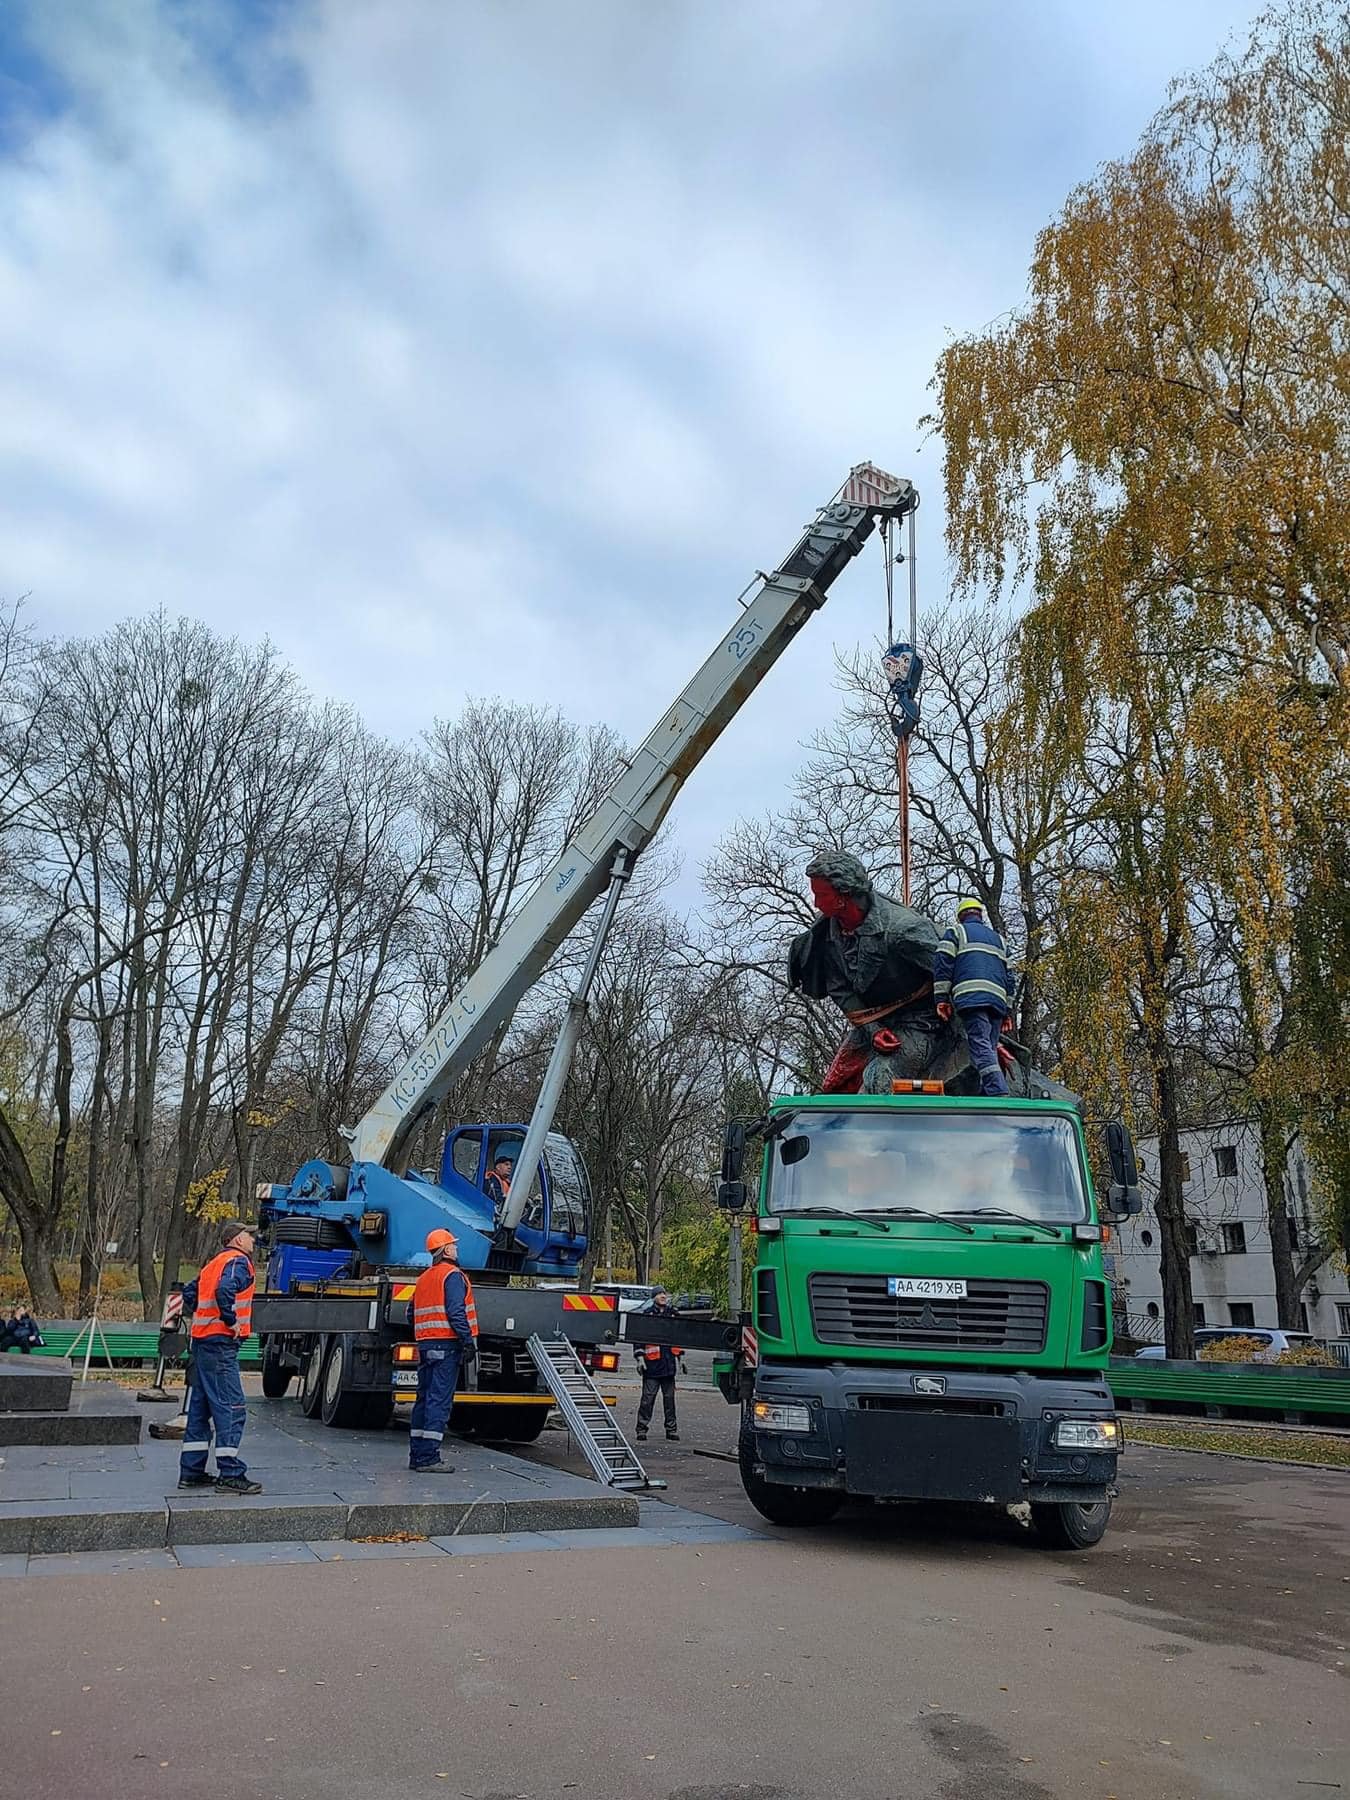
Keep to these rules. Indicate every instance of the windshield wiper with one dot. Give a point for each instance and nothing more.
(833, 1212)
(921, 1212)
(1003, 1212)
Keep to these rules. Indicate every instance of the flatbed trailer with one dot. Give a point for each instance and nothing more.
(350, 1345)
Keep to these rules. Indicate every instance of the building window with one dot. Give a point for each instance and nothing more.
(1343, 1319)
(1146, 1239)
(1233, 1238)
(1225, 1159)
(1241, 1312)
(1188, 1233)
(1152, 1309)
(1198, 1314)
(1292, 1223)
(1185, 1166)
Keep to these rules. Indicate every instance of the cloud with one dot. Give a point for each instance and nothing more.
(489, 348)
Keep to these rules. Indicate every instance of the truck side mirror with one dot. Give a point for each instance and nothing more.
(1123, 1197)
(731, 1196)
(733, 1152)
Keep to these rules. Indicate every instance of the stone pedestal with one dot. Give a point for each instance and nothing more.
(31, 1384)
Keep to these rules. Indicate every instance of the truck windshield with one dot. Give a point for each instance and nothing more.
(952, 1164)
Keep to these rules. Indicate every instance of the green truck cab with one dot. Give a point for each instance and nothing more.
(932, 1318)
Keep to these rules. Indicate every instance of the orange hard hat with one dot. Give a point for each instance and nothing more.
(440, 1239)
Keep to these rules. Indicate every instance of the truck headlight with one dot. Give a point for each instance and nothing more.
(772, 1416)
(1087, 1434)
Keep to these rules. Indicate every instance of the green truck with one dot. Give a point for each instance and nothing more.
(932, 1318)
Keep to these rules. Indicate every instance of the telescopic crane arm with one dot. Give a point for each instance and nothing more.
(630, 814)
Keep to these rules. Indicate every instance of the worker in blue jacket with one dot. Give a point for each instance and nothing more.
(970, 977)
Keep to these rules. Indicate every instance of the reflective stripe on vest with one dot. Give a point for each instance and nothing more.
(428, 1307)
(206, 1321)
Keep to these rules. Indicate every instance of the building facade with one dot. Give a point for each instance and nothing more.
(1232, 1279)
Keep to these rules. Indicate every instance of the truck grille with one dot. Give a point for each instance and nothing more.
(995, 1315)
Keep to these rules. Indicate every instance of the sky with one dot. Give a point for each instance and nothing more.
(489, 346)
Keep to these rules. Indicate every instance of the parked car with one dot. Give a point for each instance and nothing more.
(1274, 1340)
(632, 1296)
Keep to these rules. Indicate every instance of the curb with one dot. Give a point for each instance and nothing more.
(25, 1527)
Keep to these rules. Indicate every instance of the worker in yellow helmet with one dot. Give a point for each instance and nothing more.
(445, 1326)
(970, 977)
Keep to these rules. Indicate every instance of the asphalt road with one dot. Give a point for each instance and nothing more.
(1198, 1653)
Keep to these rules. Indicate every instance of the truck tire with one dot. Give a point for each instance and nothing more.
(311, 1381)
(275, 1378)
(1070, 1525)
(340, 1405)
(782, 1505)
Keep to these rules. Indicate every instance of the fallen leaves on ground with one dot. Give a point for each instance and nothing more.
(1325, 1451)
(395, 1537)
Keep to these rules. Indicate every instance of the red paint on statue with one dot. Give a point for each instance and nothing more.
(835, 905)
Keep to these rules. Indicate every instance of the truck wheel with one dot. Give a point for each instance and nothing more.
(1070, 1525)
(275, 1378)
(783, 1505)
(339, 1405)
(311, 1381)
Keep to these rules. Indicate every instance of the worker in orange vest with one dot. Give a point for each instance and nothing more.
(497, 1187)
(221, 1303)
(657, 1363)
(445, 1325)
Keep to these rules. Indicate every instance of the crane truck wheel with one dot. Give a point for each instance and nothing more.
(339, 1403)
(782, 1505)
(311, 1382)
(1070, 1525)
(276, 1378)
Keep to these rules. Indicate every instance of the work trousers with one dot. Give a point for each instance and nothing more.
(984, 1027)
(437, 1378)
(215, 1403)
(652, 1385)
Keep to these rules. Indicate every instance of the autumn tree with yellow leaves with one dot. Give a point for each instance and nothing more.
(1157, 446)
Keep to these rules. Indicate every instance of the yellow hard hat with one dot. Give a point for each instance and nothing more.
(440, 1239)
(965, 906)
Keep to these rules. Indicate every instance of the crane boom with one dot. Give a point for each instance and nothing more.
(631, 812)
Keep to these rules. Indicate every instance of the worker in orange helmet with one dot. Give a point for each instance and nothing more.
(445, 1325)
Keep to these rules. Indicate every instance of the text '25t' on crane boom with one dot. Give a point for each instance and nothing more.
(373, 1215)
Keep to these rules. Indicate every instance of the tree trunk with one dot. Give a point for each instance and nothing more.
(1274, 1161)
(1178, 1306)
(37, 1228)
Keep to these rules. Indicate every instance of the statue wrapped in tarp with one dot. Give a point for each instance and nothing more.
(873, 957)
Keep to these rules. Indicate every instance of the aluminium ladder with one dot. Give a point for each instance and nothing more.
(590, 1421)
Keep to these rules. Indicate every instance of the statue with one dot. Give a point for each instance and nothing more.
(873, 957)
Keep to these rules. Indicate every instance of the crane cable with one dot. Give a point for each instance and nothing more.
(901, 737)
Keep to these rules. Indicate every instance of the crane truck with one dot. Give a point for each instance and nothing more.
(345, 1241)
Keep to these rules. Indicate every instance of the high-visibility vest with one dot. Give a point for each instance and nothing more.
(429, 1320)
(206, 1321)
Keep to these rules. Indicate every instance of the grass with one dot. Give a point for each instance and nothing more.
(1316, 1449)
